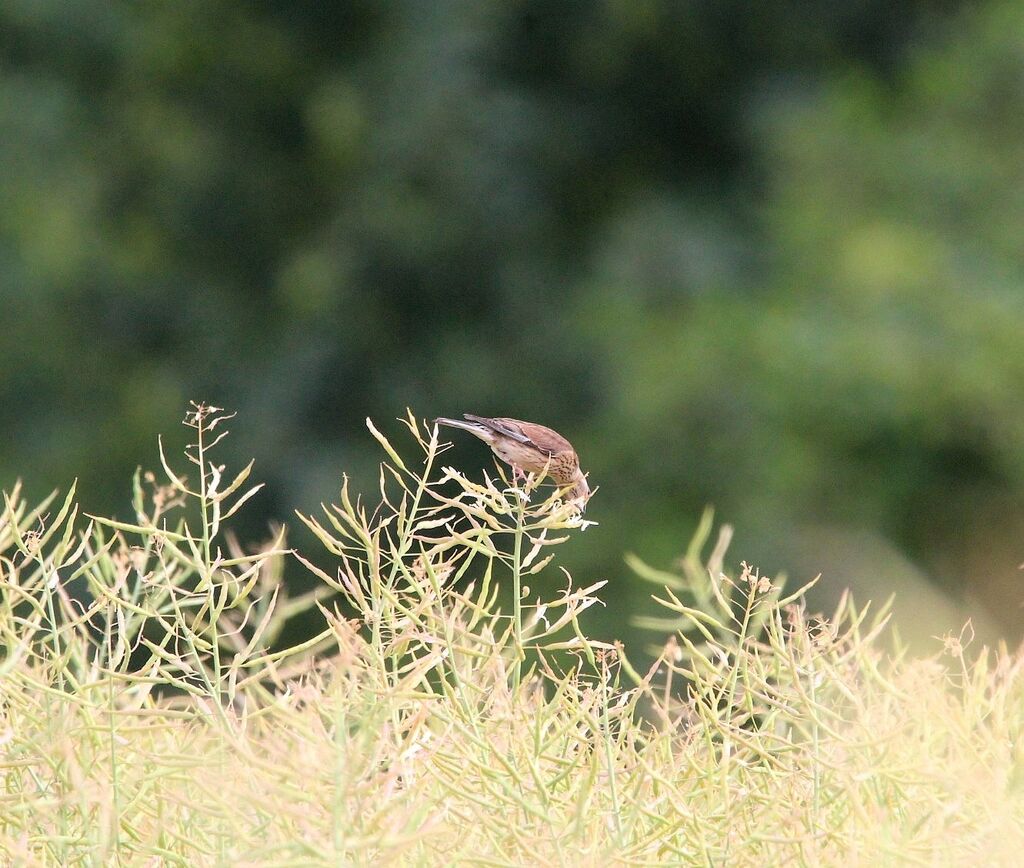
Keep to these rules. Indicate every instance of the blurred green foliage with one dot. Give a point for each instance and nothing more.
(764, 257)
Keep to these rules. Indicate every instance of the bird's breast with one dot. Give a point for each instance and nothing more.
(525, 457)
(561, 466)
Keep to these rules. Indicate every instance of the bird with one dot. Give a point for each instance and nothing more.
(528, 448)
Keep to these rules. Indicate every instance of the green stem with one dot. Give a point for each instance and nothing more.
(112, 737)
(211, 590)
(517, 590)
(214, 618)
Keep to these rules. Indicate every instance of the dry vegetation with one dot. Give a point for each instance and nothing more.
(150, 715)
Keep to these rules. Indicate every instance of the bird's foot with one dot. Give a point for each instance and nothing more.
(519, 475)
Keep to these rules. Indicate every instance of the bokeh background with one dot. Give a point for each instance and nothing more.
(765, 256)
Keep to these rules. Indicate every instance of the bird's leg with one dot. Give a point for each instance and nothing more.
(519, 474)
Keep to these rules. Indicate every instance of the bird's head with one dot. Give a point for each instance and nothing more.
(580, 490)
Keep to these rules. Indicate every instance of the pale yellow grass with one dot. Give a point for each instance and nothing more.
(150, 713)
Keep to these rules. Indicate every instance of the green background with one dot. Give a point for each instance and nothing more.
(761, 256)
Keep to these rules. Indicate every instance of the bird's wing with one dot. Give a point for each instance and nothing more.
(539, 437)
(546, 440)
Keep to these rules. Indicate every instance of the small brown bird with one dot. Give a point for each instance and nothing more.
(529, 448)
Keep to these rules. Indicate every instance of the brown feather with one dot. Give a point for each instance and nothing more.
(540, 436)
(529, 448)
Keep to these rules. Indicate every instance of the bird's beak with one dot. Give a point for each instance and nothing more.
(582, 493)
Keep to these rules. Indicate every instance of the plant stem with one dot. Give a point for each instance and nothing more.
(207, 566)
(517, 590)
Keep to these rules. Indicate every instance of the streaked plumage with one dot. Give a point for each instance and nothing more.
(528, 448)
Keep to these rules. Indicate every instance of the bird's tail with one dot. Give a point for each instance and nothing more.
(481, 431)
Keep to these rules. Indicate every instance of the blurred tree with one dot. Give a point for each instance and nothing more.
(763, 257)
(868, 388)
